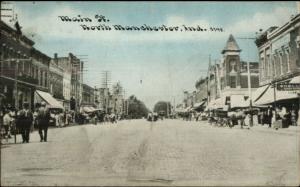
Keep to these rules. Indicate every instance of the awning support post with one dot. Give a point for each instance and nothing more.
(274, 84)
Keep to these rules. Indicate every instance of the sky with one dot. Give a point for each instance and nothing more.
(154, 66)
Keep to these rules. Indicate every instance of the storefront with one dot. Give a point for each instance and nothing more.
(16, 92)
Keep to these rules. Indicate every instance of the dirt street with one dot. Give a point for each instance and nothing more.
(168, 152)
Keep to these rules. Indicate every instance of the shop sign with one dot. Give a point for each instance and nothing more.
(288, 87)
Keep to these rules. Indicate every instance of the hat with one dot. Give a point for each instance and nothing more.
(43, 103)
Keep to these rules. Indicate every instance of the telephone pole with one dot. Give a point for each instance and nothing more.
(249, 80)
(106, 77)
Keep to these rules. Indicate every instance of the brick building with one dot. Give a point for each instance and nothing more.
(56, 78)
(227, 81)
(279, 63)
(23, 68)
(88, 97)
(72, 79)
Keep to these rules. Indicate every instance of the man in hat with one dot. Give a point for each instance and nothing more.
(43, 119)
(25, 118)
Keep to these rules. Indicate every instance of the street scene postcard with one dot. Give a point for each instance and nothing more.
(150, 93)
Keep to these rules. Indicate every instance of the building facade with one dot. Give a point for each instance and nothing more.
(201, 89)
(227, 80)
(72, 80)
(88, 97)
(102, 98)
(56, 79)
(64, 63)
(24, 69)
(279, 52)
(233, 72)
(76, 78)
(279, 63)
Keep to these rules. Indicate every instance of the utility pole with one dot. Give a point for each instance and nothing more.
(208, 81)
(249, 80)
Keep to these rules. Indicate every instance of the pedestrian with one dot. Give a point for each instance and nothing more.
(43, 121)
(61, 119)
(66, 118)
(241, 117)
(255, 119)
(294, 117)
(94, 118)
(247, 120)
(6, 123)
(25, 118)
(13, 120)
(269, 115)
(273, 117)
(286, 120)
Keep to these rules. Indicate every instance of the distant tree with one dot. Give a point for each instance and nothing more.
(162, 106)
(136, 108)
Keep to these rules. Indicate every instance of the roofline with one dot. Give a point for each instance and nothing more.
(284, 27)
(5, 26)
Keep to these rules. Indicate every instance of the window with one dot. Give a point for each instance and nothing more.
(233, 66)
(232, 81)
(45, 79)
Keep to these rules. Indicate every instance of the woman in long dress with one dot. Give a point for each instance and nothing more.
(247, 120)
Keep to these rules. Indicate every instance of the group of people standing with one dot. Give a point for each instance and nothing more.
(277, 118)
(24, 120)
(286, 116)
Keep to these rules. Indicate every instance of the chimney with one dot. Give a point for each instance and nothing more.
(55, 55)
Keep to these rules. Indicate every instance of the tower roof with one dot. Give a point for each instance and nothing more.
(231, 45)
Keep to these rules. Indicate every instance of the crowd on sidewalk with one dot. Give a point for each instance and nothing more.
(24, 121)
(277, 118)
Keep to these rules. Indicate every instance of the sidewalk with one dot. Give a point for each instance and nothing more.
(265, 128)
(33, 135)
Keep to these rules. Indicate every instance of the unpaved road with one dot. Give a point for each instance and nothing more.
(169, 152)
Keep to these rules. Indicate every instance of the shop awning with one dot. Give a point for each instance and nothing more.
(259, 92)
(295, 80)
(238, 101)
(188, 109)
(88, 109)
(97, 109)
(217, 103)
(199, 105)
(268, 96)
(51, 101)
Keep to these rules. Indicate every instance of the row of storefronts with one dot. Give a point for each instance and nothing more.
(273, 81)
(28, 75)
